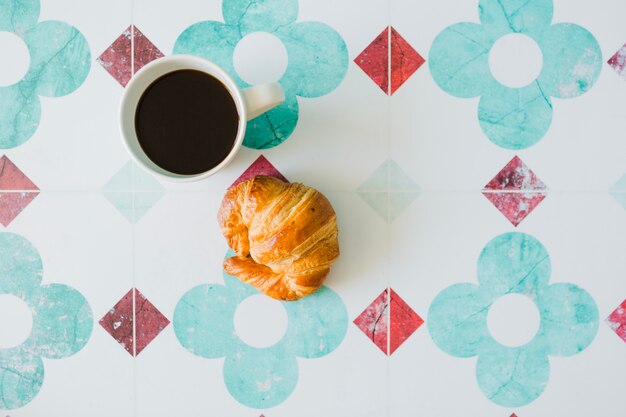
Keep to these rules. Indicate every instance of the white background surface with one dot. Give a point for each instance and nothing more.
(340, 140)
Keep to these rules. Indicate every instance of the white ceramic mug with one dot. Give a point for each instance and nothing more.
(250, 103)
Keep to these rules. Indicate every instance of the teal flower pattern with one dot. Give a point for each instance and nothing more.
(258, 377)
(515, 118)
(513, 263)
(62, 321)
(317, 58)
(59, 63)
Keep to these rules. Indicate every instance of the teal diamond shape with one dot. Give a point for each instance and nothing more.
(133, 192)
(619, 191)
(389, 190)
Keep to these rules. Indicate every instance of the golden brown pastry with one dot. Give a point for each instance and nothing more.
(284, 236)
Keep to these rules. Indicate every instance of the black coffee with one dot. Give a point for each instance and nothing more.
(186, 122)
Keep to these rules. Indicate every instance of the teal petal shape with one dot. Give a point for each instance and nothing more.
(569, 319)
(211, 40)
(317, 58)
(203, 320)
(317, 324)
(18, 15)
(457, 320)
(512, 377)
(20, 113)
(513, 263)
(59, 58)
(459, 60)
(261, 378)
(62, 322)
(515, 118)
(274, 127)
(572, 61)
(313, 45)
(530, 17)
(259, 15)
(20, 266)
(21, 377)
(258, 377)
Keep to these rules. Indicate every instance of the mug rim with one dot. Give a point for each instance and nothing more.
(131, 97)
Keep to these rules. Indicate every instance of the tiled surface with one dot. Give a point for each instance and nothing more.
(420, 188)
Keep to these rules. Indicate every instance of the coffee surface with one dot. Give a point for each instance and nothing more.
(186, 122)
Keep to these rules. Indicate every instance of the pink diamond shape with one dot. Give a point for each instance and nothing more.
(404, 60)
(127, 54)
(117, 59)
(145, 51)
(259, 167)
(618, 62)
(134, 328)
(374, 60)
(515, 191)
(16, 191)
(388, 321)
(617, 321)
(374, 321)
(404, 321)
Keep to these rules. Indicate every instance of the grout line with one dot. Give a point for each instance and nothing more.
(133, 255)
(388, 237)
(388, 290)
(537, 191)
(329, 190)
(132, 48)
(389, 59)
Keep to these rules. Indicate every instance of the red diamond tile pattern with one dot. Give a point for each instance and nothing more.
(134, 327)
(127, 54)
(388, 321)
(617, 321)
(260, 167)
(404, 321)
(404, 60)
(118, 322)
(374, 321)
(515, 191)
(374, 60)
(618, 62)
(117, 59)
(145, 51)
(16, 191)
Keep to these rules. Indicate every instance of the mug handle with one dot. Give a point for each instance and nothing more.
(261, 98)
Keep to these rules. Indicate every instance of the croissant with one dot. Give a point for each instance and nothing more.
(284, 236)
